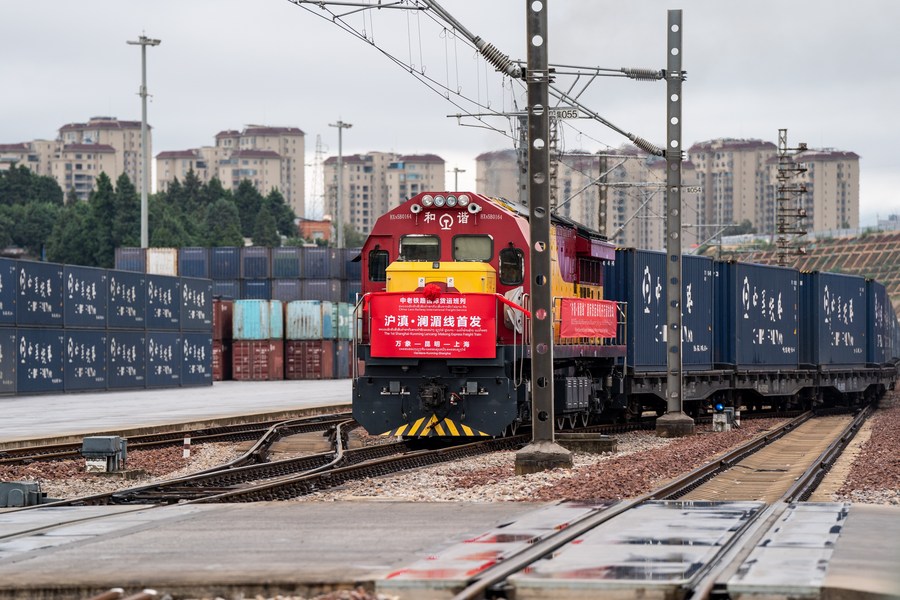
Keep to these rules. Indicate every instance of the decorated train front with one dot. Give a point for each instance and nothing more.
(442, 327)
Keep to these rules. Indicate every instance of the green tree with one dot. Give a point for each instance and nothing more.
(167, 228)
(265, 232)
(283, 214)
(20, 185)
(126, 221)
(71, 241)
(248, 201)
(223, 224)
(34, 225)
(100, 224)
(352, 237)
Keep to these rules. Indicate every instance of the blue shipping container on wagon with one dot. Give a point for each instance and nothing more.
(832, 321)
(127, 359)
(9, 289)
(40, 361)
(163, 359)
(86, 296)
(638, 277)
(287, 262)
(127, 308)
(225, 262)
(8, 345)
(255, 262)
(131, 259)
(757, 324)
(163, 302)
(193, 262)
(85, 360)
(880, 324)
(40, 299)
(196, 355)
(196, 304)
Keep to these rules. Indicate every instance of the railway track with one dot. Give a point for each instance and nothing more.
(236, 433)
(810, 459)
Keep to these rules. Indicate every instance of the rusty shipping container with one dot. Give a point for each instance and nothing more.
(309, 359)
(257, 360)
(221, 360)
(223, 311)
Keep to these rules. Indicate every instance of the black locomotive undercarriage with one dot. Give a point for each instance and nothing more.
(475, 397)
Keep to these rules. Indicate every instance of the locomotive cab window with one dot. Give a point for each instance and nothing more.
(479, 248)
(512, 266)
(420, 248)
(378, 262)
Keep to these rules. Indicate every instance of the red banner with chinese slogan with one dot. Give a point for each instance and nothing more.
(409, 325)
(581, 317)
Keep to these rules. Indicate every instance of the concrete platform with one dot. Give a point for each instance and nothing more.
(209, 550)
(827, 551)
(59, 417)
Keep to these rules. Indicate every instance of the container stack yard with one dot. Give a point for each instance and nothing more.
(255, 272)
(67, 328)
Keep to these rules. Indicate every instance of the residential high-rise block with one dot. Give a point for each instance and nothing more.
(376, 182)
(269, 157)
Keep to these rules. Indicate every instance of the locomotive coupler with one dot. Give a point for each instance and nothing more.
(432, 396)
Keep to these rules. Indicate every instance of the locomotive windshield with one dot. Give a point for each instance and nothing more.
(473, 248)
(420, 248)
(512, 266)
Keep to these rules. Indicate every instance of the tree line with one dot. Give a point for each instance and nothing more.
(38, 217)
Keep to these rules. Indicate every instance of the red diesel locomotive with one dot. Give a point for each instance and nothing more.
(442, 327)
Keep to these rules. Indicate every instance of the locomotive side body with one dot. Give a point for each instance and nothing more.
(444, 319)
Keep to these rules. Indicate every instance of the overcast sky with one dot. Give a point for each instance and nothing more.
(827, 70)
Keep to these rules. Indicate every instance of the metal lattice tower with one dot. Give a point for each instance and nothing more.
(790, 201)
(317, 201)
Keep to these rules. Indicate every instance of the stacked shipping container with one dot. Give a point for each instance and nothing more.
(256, 273)
(69, 328)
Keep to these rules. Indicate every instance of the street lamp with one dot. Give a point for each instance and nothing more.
(143, 42)
(340, 191)
(456, 171)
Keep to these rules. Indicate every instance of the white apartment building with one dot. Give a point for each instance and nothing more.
(627, 205)
(83, 151)
(831, 179)
(375, 182)
(269, 157)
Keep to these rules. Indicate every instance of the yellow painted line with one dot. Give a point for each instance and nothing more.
(415, 426)
(466, 429)
(439, 429)
(452, 427)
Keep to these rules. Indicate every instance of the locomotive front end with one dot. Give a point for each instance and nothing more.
(432, 363)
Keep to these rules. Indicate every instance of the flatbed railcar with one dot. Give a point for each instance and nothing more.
(442, 338)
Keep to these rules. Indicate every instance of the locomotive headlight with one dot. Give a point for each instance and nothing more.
(427, 200)
(439, 201)
(451, 201)
(462, 200)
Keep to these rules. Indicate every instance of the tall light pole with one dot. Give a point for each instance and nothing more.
(340, 188)
(456, 171)
(143, 42)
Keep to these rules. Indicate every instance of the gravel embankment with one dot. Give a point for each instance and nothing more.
(642, 462)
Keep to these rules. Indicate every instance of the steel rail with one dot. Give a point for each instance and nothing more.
(495, 575)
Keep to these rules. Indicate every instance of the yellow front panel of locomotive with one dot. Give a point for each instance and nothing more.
(463, 276)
